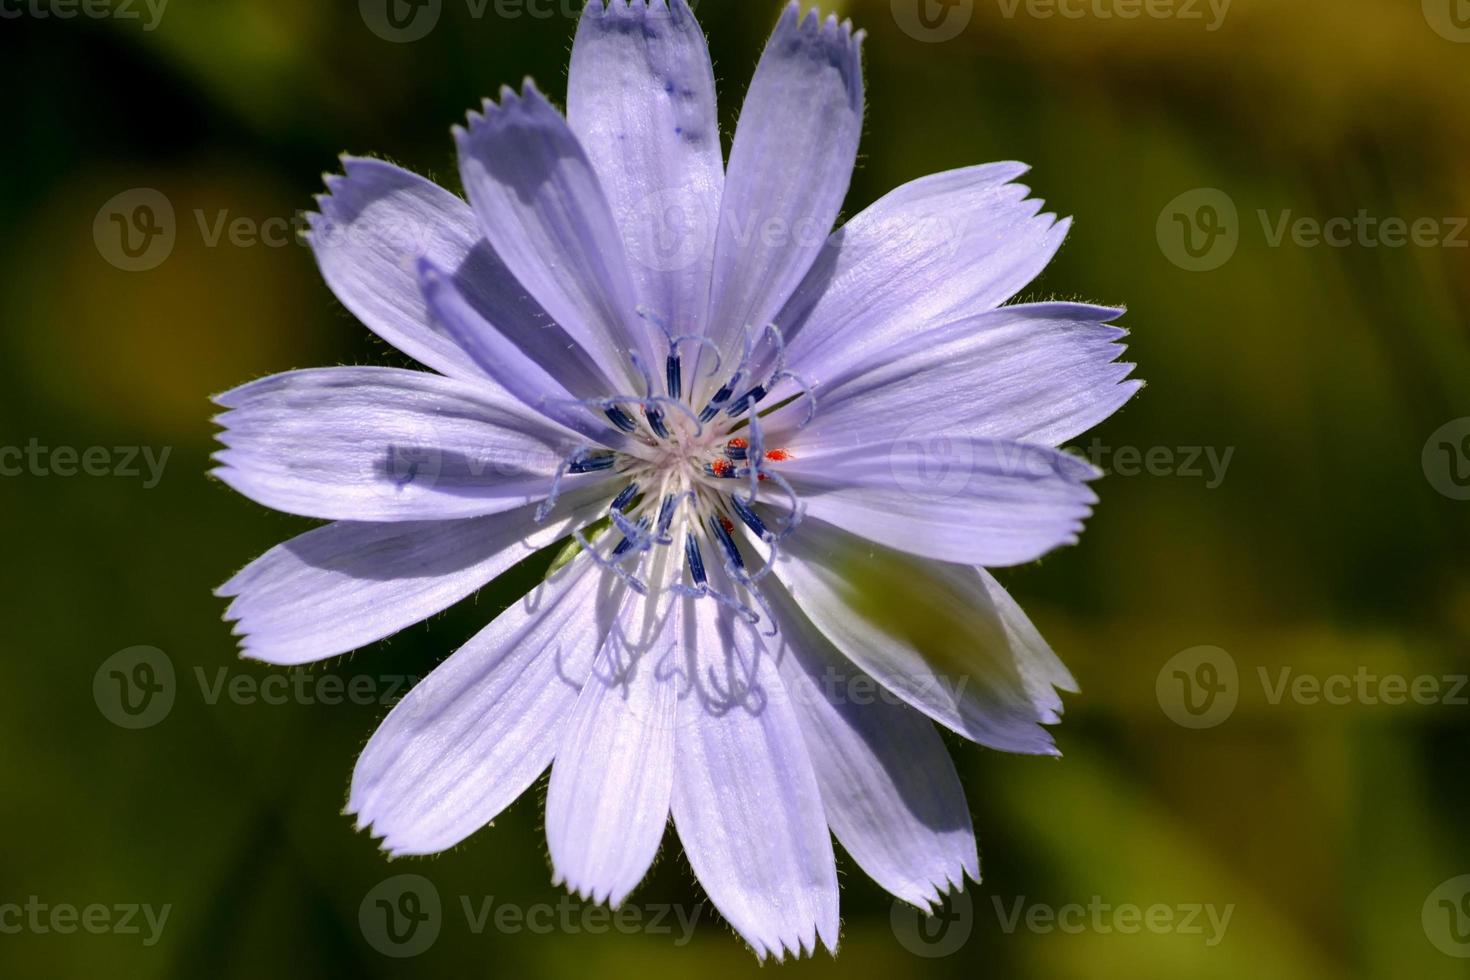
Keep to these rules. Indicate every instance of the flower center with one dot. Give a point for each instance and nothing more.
(687, 475)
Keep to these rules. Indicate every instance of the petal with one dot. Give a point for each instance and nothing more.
(889, 787)
(641, 99)
(1041, 373)
(608, 801)
(542, 208)
(375, 222)
(946, 496)
(790, 165)
(1041, 669)
(345, 585)
(746, 802)
(542, 367)
(382, 444)
(943, 247)
(474, 734)
(928, 631)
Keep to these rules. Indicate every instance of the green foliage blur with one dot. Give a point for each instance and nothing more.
(1329, 544)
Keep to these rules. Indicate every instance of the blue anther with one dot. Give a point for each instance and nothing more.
(627, 542)
(592, 462)
(695, 559)
(727, 543)
(666, 515)
(723, 395)
(735, 452)
(622, 500)
(751, 397)
(656, 422)
(675, 372)
(743, 511)
(621, 419)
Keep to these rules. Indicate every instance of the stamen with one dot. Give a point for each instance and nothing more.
(722, 527)
(656, 422)
(748, 516)
(665, 518)
(621, 419)
(633, 536)
(593, 462)
(561, 471)
(720, 397)
(695, 560)
(613, 566)
(675, 375)
(622, 500)
(751, 397)
(806, 392)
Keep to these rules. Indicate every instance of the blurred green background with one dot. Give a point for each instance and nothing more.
(1332, 544)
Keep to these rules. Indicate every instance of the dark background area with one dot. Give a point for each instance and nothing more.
(1332, 544)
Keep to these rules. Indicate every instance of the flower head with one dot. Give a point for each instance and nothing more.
(781, 458)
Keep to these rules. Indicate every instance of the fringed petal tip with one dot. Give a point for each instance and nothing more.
(507, 104)
(596, 894)
(928, 895)
(836, 42)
